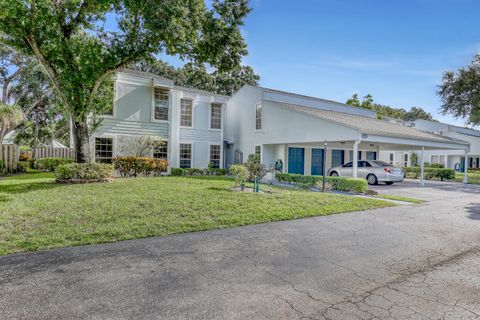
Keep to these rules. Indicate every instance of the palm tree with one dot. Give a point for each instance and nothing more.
(10, 117)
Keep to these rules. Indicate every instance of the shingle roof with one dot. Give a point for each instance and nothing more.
(369, 125)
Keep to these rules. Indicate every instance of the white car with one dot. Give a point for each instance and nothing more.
(373, 170)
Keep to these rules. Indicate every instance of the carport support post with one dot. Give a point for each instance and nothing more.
(465, 168)
(422, 164)
(355, 159)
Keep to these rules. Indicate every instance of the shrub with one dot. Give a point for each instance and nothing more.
(25, 156)
(430, 173)
(85, 171)
(22, 166)
(437, 165)
(177, 172)
(194, 172)
(335, 183)
(254, 167)
(212, 171)
(51, 164)
(133, 166)
(445, 174)
(240, 172)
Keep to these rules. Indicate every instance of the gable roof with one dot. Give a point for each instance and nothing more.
(369, 125)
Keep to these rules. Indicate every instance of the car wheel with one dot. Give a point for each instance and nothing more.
(389, 183)
(372, 179)
(334, 174)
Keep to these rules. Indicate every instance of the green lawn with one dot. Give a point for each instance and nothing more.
(399, 198)
(473, 178)
(36, 213)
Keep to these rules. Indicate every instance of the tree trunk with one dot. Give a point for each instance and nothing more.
(81, 141)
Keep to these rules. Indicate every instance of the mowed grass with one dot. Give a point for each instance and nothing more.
(400, 198)
(36, 213)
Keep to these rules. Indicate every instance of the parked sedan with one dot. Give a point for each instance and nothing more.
(373, 170)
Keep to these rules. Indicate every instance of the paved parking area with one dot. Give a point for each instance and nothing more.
(406, 262)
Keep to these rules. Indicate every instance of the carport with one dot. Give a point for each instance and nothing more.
(337, 132)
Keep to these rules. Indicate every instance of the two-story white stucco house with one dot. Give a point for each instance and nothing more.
(284, 128)
(189, 121)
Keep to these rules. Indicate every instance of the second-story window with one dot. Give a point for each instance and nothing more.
(258, 117)
(161, 104)
(186, 113)
(216, 116)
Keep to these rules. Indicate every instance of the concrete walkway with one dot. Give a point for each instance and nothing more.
(407, 262)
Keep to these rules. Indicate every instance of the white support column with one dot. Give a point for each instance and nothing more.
(355, 158)
(465, 173)
(422, 164)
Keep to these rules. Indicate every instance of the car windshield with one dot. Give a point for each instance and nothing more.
(381, 163)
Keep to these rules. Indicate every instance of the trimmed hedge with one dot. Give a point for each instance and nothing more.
(430, 173)
(22, 166)
(51, 164)
(84, 171)
(133, 166)
(336, 183)
(197, 172)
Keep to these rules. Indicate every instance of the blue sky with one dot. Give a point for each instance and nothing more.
(394, 50)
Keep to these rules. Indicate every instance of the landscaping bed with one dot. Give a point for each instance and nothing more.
(37, 213)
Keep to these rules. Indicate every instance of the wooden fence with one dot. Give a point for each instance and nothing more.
(50, 152)
(9, 154)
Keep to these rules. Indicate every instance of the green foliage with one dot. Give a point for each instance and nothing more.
(133, 166)
(50, 164)
(177, 172)
(84, 171)
(10, 117)
(460, 92)
(196, 76)
(240, 172)
(430, 173)
(80, 54)
(383, 111)
(254, 167)
(336, 183)
(437, 165)
(22, 166)
(414, 159)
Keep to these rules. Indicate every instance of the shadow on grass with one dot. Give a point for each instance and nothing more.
(28, 187)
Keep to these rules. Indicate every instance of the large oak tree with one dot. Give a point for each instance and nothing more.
(460, 93)
(69, 38)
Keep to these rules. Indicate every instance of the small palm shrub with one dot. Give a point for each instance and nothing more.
(240, 172)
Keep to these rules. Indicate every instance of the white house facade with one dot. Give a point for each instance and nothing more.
(454, 159)
(189, 121)
(294, 133)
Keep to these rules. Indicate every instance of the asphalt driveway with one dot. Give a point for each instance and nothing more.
(408, 262)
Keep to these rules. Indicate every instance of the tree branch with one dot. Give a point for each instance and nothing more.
(52, 74)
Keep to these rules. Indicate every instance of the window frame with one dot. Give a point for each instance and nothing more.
(258, 107)
(165, 144)
(191, 115)
(210, 111)
(180, 154)
(114, 107)
(95, 148)
(169, 104)
(219, 154)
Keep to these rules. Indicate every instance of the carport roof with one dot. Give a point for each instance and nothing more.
(369, 125)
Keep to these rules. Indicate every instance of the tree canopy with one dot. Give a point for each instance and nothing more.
(460, 92)
(415, 113)
(196, 76)
(79, 53)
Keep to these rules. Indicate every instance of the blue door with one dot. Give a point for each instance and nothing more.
(317, 162)
(338, 158)
(296, 159)
(371, 155)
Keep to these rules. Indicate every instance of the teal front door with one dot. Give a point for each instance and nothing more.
(317, 162)
(296, 160)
